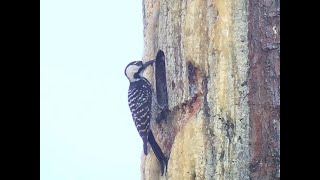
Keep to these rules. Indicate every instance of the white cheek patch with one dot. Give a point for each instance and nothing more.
(130, 71)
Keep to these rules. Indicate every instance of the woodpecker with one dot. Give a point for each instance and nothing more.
(142, 106)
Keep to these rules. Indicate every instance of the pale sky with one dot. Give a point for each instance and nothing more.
(86, 129)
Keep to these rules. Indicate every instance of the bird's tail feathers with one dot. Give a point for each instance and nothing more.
(145, 149)
(158, 152)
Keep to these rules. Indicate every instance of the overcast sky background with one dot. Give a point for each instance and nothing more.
(86, 130)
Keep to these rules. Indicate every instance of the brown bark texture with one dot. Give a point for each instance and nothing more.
(264, 88)
(221, 83)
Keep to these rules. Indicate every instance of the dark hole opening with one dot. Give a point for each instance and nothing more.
(161, 83)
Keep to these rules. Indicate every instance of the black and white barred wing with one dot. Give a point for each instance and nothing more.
(140, 99)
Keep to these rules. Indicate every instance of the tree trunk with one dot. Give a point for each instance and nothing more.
(221, 82)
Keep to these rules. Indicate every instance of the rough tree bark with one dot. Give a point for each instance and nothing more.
(223, 85)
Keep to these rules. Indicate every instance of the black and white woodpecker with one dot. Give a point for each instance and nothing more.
(142, 106)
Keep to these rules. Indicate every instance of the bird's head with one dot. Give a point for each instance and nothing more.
(134, 70)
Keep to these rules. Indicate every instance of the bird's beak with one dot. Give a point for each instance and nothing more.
(146, 64)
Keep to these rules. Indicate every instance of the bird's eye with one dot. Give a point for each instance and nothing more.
(136, 75)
